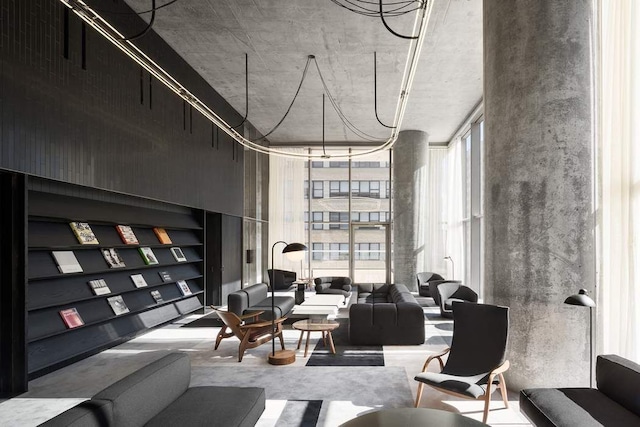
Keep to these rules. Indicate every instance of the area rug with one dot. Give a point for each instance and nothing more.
(208, 321)
(346, 354)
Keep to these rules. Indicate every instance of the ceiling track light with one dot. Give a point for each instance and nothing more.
(94, 20)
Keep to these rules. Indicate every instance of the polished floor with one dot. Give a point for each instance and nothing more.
(343, 397)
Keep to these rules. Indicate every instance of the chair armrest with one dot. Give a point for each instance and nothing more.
(346, 288)
(322, 286)
(500, 369)
(263, 324)
(436, 356)
(252, 314)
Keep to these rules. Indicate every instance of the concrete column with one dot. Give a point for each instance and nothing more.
(410, 172)
(539, 244)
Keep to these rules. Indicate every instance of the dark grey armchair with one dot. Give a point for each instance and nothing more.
(333, 285)
(424, 279)
(282, 279)
(450, 292)
(476, 359)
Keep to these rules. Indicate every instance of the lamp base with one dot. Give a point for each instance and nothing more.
(282, 357)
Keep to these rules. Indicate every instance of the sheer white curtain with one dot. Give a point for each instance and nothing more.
(435, 221)
(286, 207)
(454, 211)
(619, 291)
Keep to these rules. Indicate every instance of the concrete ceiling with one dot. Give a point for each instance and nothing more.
(278, 35)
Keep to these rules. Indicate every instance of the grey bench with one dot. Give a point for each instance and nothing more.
(255, 298)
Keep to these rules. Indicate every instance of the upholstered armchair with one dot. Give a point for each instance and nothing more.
(450, 292)
(424, 279)
(282, 279)
(333, 285)
(433, 288)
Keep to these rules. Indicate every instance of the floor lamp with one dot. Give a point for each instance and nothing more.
(453, 267)
(582, 299)
(294, 252)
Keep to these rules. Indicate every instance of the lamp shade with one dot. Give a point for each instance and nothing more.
(294, 251)
(581, 298)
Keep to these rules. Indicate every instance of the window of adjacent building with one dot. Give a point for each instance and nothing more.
(318, 189)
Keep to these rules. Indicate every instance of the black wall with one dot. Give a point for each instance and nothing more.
(91, 116)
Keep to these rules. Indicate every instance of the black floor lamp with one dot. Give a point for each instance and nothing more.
(582, 299)
(295, 252)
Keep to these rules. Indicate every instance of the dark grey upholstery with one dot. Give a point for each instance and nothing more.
(282, 279)
(256, 298)
(159, 395)
(433, 288)
(480, 333)
(385, 314)
(333, 285)
(423, 280)
(450, 292)
(616, 401)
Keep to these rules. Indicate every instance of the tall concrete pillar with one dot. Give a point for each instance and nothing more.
(539, 228)
(410, 172)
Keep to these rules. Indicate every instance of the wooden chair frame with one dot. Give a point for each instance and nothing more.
(234, 325)
(487, 394)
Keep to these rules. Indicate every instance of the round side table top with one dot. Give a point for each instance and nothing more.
(410, 417)
(308, 325)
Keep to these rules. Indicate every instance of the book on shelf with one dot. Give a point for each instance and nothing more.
(165, 276)
(138, 280)
(157, 296)
(117, 305)
(83, 233)
(127, 235)
(184, 288)
(67, 262)
(99, 287)
(162, 236)
(113, 258)
(71, 318)
(178, 255)
(148, 256)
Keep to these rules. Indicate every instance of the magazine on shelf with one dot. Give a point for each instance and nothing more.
(83, 233)
(157, 296)
(71, 318)
(148, 256)
(184, 288)
(162, 236)
(99, 287)
(178, 255)
(117, 305)
(127, 235)
(138, 280)
(113, 258)
(67, 262)
(165, 276)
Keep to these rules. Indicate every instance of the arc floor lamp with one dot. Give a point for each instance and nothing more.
(582, 299)
(294, 252)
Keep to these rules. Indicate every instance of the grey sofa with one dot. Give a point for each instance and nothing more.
(615, 402)
(256, 298)
(385, 314)
(333, 285)
(159, 395)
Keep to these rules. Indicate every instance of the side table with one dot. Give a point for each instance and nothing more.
(309, 326)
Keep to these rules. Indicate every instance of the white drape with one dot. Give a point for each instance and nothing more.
(435, 217)
(454, 212)
(286, 207)
(619, 291)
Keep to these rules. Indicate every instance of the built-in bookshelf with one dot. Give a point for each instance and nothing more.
(99, 304)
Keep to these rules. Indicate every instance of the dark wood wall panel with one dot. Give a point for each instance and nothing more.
(94, 126)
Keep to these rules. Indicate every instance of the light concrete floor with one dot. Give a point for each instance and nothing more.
(62, 389)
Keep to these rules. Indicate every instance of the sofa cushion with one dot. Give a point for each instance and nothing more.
(283, 305)
(619, 379)
(90, 413)
(467, 386)
(140, 396)
(213, 406)
(584, 407)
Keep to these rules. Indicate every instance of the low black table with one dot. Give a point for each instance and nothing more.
(410, 417)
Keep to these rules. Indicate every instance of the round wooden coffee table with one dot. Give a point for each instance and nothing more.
(308, 326)
(412, 417)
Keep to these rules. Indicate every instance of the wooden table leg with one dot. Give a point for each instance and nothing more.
(333, 348)
(306, 345)
(300, 340)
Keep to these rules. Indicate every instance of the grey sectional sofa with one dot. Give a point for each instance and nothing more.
(256, 298)
(159, 395)
(385, 314)
(615, 402)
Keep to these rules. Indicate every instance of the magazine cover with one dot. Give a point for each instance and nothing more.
(165, 276)
(157, 296)
(178, 255)
(162, 235)
(67, 262)
(113, 258)
(117, 305)
(148, 256)
(127, 235)
(138, 280)
(99, 287)
(83, 233)
(71, 318)
(184, 288)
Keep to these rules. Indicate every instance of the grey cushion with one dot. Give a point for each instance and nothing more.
(239, 301)
(140, 396)
(619, 379)
(213, 406)
(584, 407)
(283, 305)
(472, 386)
(90, 413)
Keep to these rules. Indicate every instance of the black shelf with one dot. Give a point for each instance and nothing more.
(121, 246)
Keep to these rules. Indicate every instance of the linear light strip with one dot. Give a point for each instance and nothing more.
(103, 27)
